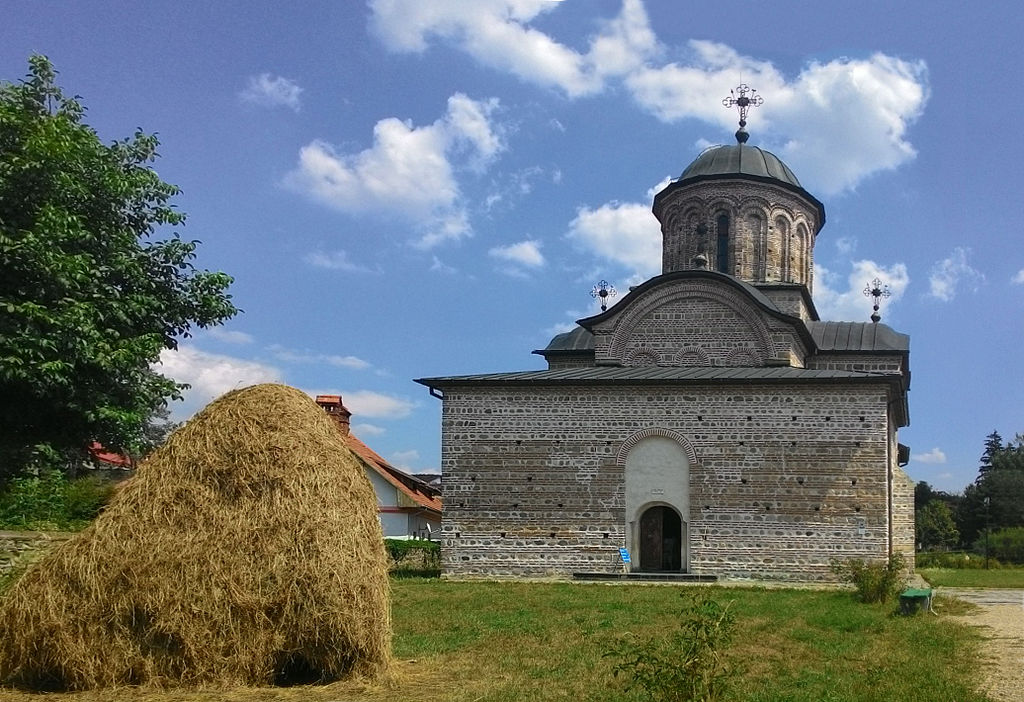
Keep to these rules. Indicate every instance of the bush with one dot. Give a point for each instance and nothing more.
(959, 560)
(414, 556)
(688, 666)
(1005, 544)
(52, 502)
(875, 581)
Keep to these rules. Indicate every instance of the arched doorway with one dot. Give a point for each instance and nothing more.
(661, 539)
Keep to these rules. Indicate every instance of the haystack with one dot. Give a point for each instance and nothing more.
(245, 551)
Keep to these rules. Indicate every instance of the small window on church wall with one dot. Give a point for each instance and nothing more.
(722, 259)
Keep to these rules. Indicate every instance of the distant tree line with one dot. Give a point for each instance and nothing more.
(993, 502)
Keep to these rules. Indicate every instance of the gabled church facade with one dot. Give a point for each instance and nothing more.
(710, 422)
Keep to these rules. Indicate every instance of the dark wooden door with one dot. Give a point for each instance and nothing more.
(651, 539)
(661, 540)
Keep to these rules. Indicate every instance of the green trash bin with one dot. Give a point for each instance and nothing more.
(914, 600)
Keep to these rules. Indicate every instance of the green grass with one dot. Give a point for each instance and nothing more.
(505, 642)
(974, 577)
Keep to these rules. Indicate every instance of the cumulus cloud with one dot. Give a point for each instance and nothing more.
(272, 91)
(497, 34)
(292, 356)
(209, 375)
(365, 429)
(625, 233)
(404, 459)
(1018, 279)
(229, 336)
(841, 300)
(952, 274)
(835, 122)
(334, 260)
(377, 405)
(525, 253)
(409, 170)
(936, 455)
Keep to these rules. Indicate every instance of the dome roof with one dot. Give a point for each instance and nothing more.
(739, 159)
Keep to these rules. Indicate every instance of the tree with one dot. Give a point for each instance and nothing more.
(88, 297)
(993, 445)
(936, 529)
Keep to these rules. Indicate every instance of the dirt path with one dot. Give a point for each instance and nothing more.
(1001, 616)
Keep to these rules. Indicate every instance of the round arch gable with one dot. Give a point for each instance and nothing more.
(717, 292)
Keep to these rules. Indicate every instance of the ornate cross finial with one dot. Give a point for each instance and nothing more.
(876, 290)
(743, 97)
(602, 291)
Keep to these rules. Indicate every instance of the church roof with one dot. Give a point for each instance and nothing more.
(735, 159)
(661, 375)
(743, 161)
(857, 336)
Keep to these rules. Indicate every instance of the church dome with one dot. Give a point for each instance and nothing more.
(739, 159)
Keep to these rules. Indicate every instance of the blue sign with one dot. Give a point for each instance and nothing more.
(624, 555)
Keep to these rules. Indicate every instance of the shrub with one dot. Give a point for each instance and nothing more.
(688, 666)
(50, 501)
(954, 559)
(414, 556)
(875, 581)
(1005, 544)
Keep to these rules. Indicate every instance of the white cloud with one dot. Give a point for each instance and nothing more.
(496, 33)
(846, 244)
(292, 356)
(229, 336)
(953, 273)
(841, 300)
(835, 122)
(936, 455)
(365, 429)
(439, 266)
(335, 260)
(526, 253)
(408, 171)
(376, 405)
(626, 233)
(404, 459)
(210, 375)
(272, 91)
(1018, 279)
(838, 122)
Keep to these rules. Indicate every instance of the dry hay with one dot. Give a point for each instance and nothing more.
(246, 551)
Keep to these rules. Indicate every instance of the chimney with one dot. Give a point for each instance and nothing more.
(337, 411)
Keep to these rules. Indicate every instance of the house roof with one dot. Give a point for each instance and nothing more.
(419, 492)
(111, 458)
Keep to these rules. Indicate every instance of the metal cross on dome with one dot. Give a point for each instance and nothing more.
(602, 291)
(877, 290)
(743, 97)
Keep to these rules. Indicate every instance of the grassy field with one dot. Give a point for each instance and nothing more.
(521, 641)
(974, 577)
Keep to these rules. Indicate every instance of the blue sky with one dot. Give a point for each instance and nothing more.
(405, 188)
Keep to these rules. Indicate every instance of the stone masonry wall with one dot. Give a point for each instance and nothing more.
(786, 477)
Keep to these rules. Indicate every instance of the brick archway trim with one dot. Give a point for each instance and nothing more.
(637, 437)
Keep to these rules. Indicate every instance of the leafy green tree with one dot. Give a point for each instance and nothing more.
(936, 529)
(88, 297)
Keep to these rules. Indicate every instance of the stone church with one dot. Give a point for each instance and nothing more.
(709, 422)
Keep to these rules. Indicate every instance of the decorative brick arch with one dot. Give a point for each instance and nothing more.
(636, 438)
(627, 321)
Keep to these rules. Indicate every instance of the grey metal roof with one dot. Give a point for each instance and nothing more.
(577, 340)
(857, 336)
(642, 375)
(733, 159)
